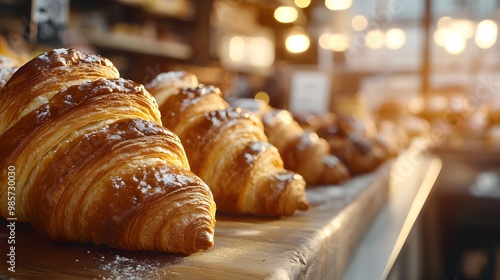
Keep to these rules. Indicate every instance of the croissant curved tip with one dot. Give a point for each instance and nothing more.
(303, 205)
(204, 239)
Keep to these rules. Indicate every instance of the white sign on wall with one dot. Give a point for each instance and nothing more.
(310, 92)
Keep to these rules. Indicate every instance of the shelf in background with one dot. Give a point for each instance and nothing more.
(140, 45)
(377, 252)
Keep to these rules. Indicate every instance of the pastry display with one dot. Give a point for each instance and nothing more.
(92, 161)
(7, 68)
(302, 151)
(228, 149)
(360, 144)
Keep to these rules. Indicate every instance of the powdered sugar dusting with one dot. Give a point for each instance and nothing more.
(112, 85)
(66, 57)
(179, 79)
(331, 161)
(258, 146)
(117, 182)
(306, 140)
(285, 176)
(91, 58)
(153, 181)
(166, 177)
(68, 100)
(60, 51)
(255, 149)
(43, 113)
(128, 268)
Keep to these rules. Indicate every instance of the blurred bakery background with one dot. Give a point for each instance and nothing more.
(430, 66)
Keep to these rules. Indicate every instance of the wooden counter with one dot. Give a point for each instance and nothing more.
(317, 244)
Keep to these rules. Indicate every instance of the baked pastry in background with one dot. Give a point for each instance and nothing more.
(398, 112)
(92, 161)
(7, 69)
(302, 151)
(228, 149)
(18, 55)
(358, 152)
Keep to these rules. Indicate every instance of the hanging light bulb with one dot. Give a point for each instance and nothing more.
(359, 23)
(395, 38)
(374, 39)
(486, 34)
(302, 3)
(454, 43)
(336, 5)
(286, 14)
(297, 41)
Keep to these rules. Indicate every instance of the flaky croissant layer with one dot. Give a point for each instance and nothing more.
(93, 162)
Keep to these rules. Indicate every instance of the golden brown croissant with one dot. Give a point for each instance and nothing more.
(92, 161)
(357, 143)
(302, 151)
(228, 149)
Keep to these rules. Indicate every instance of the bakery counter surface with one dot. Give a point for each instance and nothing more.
(316, 244)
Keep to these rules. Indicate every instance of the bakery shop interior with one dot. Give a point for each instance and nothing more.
(249, 139)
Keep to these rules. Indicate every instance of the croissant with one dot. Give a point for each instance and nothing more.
(92, 161)
(302, 151)
(355, 143)
(228, 149)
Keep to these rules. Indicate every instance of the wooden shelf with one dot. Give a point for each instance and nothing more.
(315, 244)
(140, 45)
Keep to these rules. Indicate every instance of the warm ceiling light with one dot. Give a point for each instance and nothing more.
(466, 27)
(454, 43)
(395, 38)
(440, 36)
(336, 42)
(302, 3)
(336, 5)
(236, 48)
(486, 34)
(262, 95)
(285, 14)
(444, 22)
(359, 23)
(297, 43)
(374, 39)
(339, 42)
(261, 52)
(324, 40)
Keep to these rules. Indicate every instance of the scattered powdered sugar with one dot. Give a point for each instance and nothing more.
(306, 141)
(284, 176)
(60, 51)
(331, 161)
(68, 100)
(145, 126)
(177, 78)
(144, 187)
(167, 177)
(258, 146)
(270, 117)
(215, 121)
(92, 58)
(249, 158)
(117, 182)
(43, 113)
(128, 268)
(255, 149)
(44, 57)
